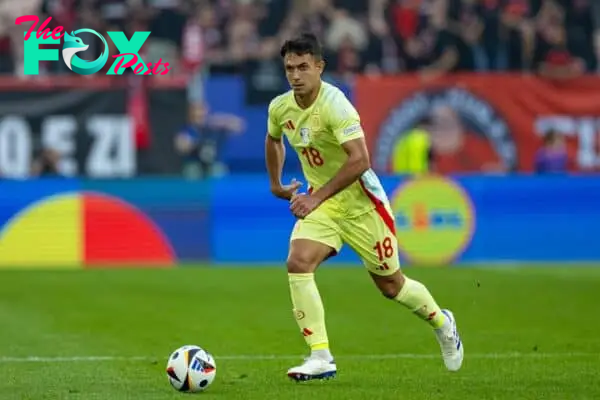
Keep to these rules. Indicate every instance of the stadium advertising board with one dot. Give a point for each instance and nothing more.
(435, 220)
(95, 131)
(483, 122)
(71, 223)
(439, 221)
(90, 130)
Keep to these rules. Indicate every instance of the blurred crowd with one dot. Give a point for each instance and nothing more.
(555, 38)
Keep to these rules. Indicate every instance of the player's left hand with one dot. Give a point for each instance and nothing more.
(303, 204)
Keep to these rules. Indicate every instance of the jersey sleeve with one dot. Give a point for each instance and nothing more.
(273, 127)
(344, 120)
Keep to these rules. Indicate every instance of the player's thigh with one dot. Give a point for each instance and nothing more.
(373, 238)
(313, 240)
(374, 241)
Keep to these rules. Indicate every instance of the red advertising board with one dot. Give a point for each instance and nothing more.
(483, 122)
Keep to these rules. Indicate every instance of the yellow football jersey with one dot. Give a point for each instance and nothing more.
(317, 134)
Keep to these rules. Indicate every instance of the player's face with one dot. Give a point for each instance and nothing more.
(303, 72)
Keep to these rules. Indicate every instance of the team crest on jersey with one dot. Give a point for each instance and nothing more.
(305, 135)
(315, 122)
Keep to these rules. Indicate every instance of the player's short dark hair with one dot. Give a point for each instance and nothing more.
(306, 43)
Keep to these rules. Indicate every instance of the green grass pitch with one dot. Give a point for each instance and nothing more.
(529, 333)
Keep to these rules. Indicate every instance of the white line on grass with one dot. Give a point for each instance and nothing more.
(513, 355)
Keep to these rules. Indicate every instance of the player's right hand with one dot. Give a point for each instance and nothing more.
(286, 192)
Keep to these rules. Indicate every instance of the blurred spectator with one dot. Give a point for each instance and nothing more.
(434, 48)
(556, 54)
(167, 22)
(47, 164)
(11, 35)
(201, 141)
(555, 38)
(413, 152)
(193, 53)
(457, 147)
(552, 157)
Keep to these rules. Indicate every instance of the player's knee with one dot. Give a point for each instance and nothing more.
(389, 291)
(298, 264)
(390, 286)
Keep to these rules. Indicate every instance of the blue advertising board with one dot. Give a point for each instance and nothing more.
(516, 218)
(235, 220)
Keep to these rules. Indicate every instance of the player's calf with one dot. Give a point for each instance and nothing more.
(415, 296)
(412, 294)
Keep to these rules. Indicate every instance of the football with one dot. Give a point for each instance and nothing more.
(191, 369)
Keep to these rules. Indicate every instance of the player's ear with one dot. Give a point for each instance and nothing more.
(321, 65)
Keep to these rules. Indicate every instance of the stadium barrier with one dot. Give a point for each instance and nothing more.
(235, 220)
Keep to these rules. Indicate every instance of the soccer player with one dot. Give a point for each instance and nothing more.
(344, 203)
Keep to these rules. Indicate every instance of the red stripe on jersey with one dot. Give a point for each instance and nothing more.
(292, 126)
(388, 220)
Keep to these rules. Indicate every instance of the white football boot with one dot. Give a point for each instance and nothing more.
(450, 343)
(313, 368)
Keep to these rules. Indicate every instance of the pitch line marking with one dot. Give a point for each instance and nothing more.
(242, 357)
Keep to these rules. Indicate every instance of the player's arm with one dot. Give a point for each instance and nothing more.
(356, 164)
(275, 157)
(347, 129)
